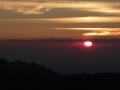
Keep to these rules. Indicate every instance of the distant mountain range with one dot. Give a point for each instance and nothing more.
(20, 75)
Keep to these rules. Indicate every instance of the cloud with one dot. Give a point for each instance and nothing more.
(84, 19)
(67, 0)
(95, 31)
(103, 33)
(89, 29)
(43, 7)
(24, 7)
(106, 8)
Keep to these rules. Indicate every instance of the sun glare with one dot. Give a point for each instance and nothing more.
(88, 43)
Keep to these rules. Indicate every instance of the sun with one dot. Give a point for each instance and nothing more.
(88, 43)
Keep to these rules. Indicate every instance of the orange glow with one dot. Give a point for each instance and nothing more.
(98, 33)
(88, 43)
(83, 19)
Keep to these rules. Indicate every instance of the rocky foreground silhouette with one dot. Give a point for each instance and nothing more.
(20, 75)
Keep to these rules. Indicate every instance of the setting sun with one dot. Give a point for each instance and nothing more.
(88, 43)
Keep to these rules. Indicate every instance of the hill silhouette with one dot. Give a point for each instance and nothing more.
(20, 75)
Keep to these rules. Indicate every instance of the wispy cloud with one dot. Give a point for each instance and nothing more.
(89, 29)
(84, 19)
(73, 19)
(24, 7)
(95, 31)
(101, 7)
(42, 7)
(102, 33)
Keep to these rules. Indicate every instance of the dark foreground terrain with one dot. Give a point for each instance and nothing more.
(20, 75)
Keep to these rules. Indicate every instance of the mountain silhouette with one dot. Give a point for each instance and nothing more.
(23, 67)
(20, 75)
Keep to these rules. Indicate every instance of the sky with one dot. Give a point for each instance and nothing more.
(65, 57)
(35, 19)
(32, 20)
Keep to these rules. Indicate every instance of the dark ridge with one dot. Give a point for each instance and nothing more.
(20, 75)
(23, 67)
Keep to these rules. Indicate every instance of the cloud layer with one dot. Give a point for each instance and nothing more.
(56, 19)
(112, 8)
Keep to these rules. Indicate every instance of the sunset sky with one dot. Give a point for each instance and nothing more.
(28, 21)
(35, 19)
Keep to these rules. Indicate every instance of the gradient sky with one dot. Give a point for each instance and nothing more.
(31, 19)
(35, 19)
